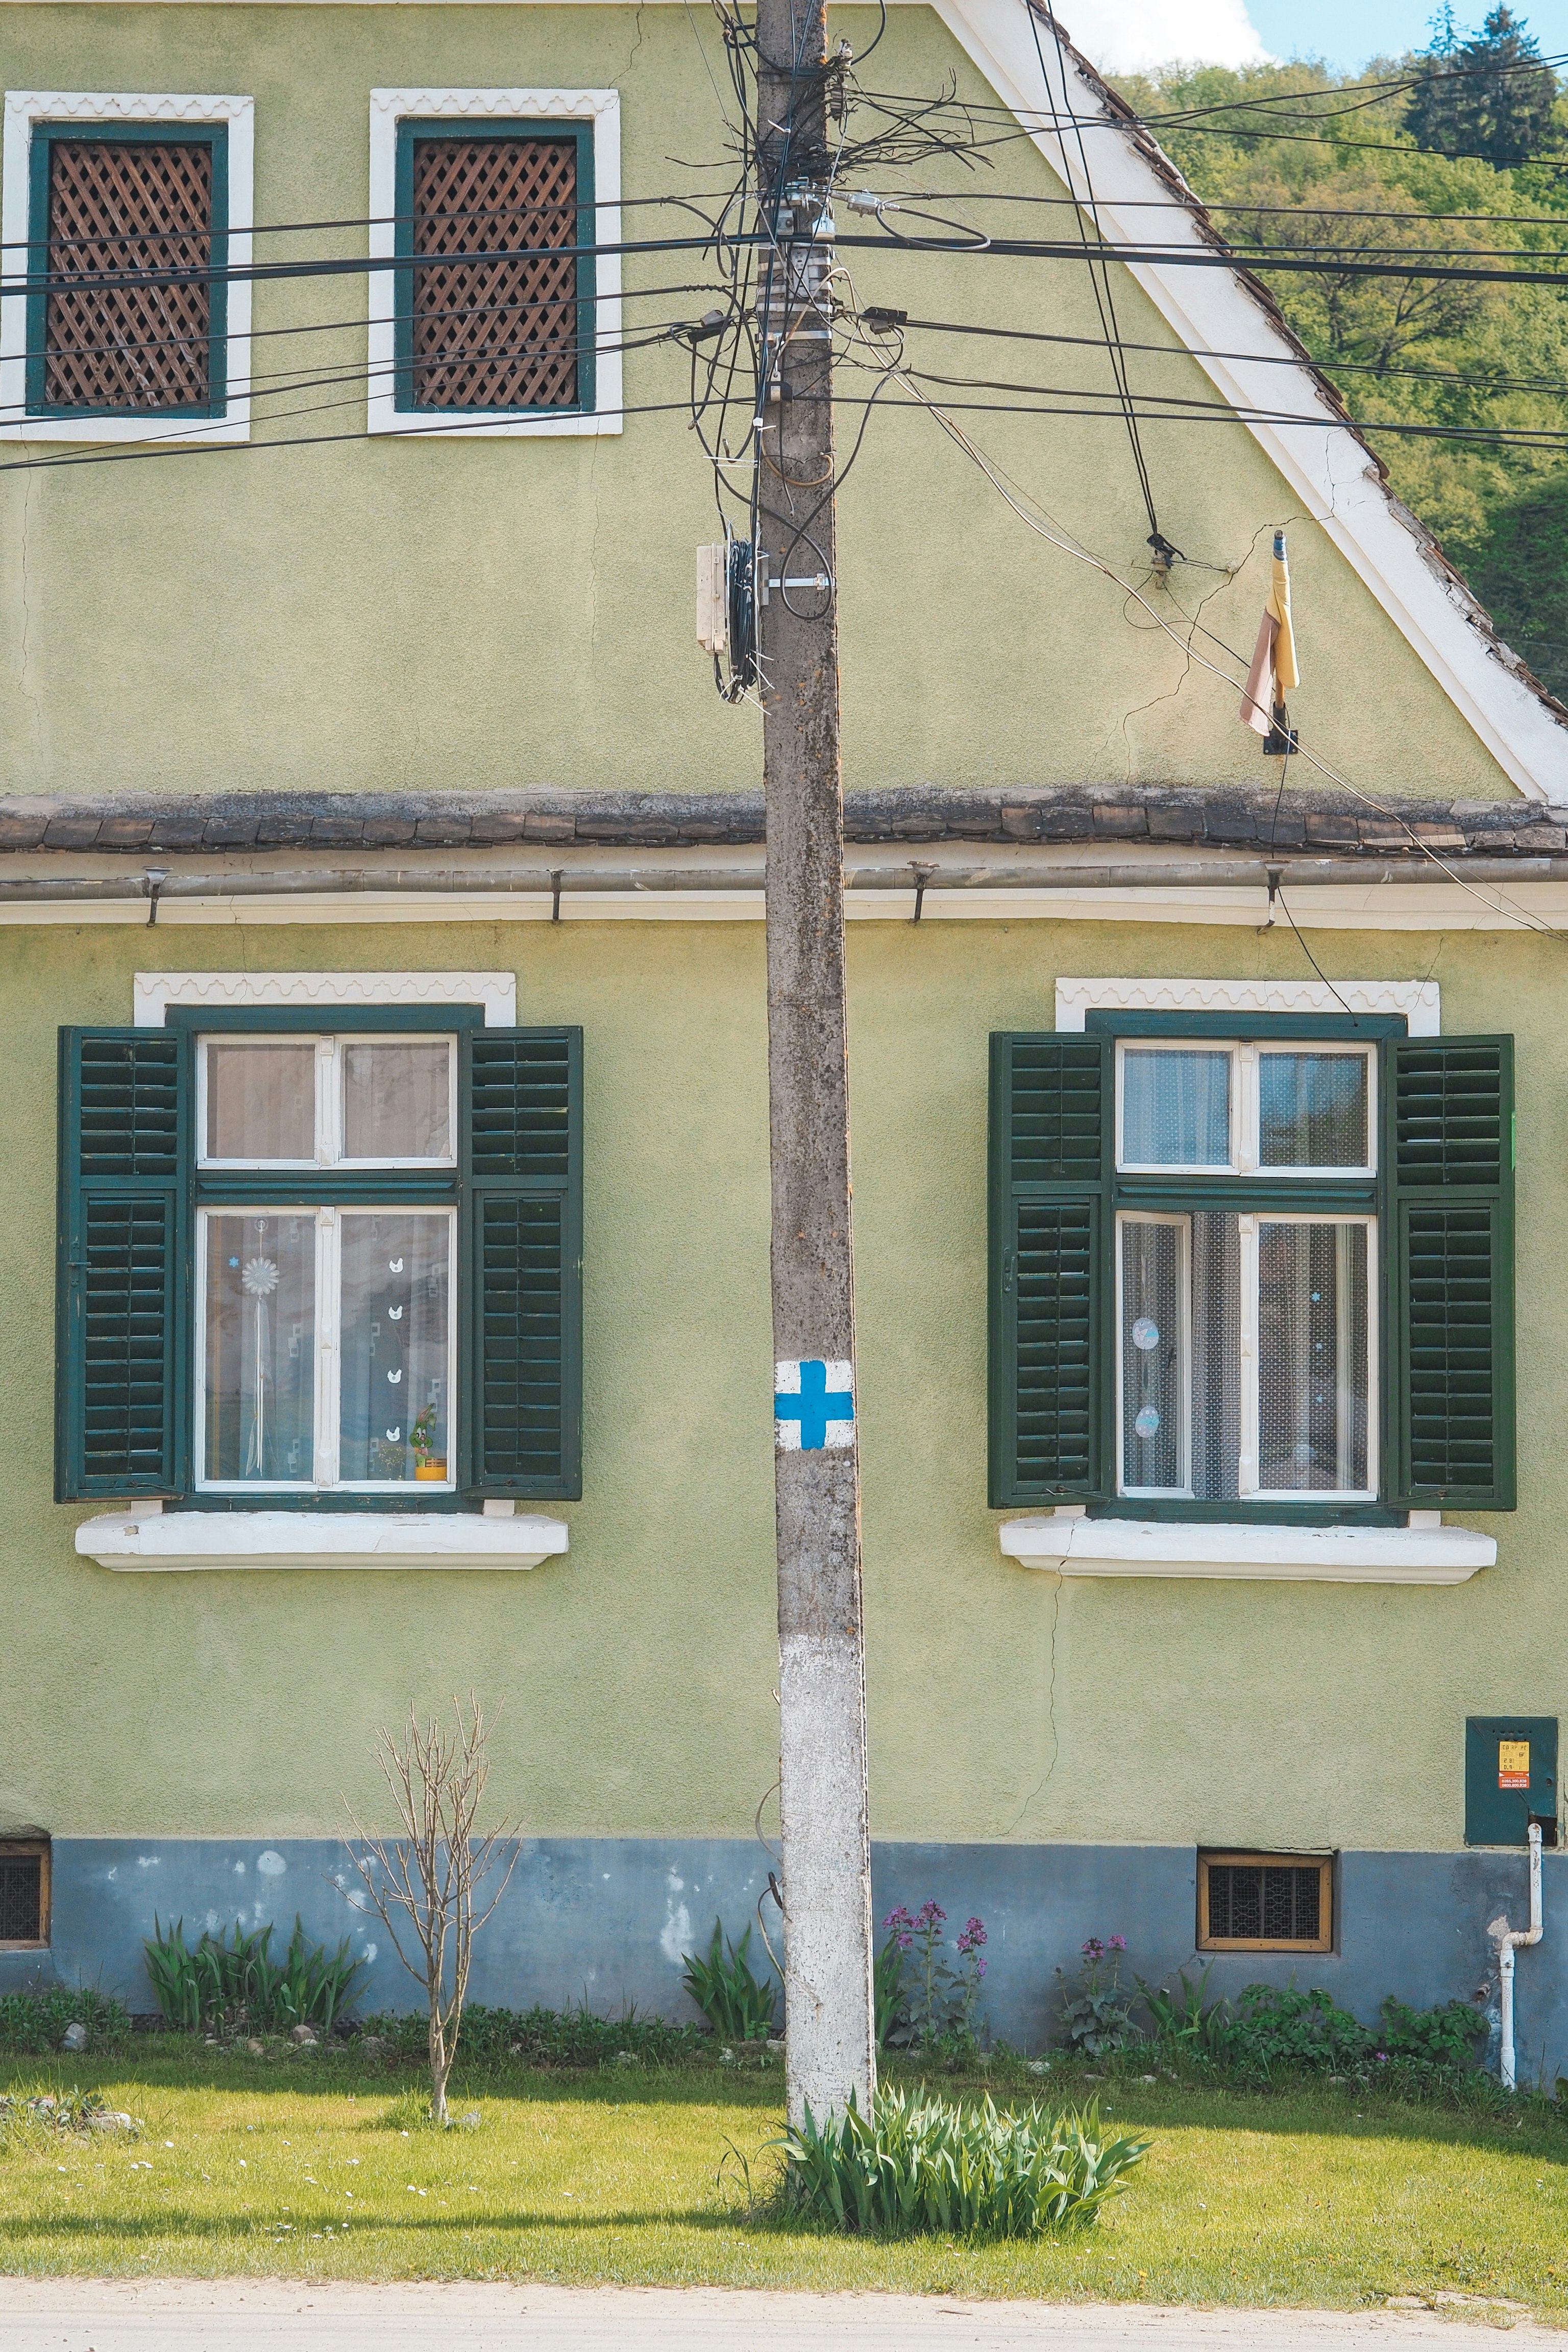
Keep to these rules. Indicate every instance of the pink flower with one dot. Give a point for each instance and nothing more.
(1093, 1950)
(1119, 1943)
(928, 1914)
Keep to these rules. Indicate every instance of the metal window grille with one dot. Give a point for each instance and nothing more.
(1265, 1903)
(139, 211)
(495, 334)
(21, 1898)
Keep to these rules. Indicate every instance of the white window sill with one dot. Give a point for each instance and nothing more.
(1073, 1545)
(154, 1539)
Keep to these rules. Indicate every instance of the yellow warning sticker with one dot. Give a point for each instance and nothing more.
(1513, 1763)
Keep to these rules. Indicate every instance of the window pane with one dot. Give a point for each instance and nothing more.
(394, 1400)
(1176, 1110)
(126, 213)
(495, 334)
(261, 1101)
(260, 1341)
(1152, 1312)
(1313, 1357)
(397, 1101)
(1312, 1110)
(1217, 1355)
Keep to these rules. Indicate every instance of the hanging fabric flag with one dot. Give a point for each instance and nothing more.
(1274, 674)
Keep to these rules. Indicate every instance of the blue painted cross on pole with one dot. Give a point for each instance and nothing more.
(807, 1413)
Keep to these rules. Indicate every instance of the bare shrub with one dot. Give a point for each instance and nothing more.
(424, 1884)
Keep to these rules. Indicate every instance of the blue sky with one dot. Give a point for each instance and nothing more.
(1347, 32)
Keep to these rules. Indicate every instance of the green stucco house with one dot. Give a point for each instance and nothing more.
(384, 1249)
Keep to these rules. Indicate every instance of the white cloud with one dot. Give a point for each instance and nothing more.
(1128, 36)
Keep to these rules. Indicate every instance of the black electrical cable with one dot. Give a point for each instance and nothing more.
(1453, 377)
(1099, 279)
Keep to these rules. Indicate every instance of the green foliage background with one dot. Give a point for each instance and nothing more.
(1391, 344)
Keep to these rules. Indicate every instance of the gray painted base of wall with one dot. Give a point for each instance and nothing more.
(606, 1921)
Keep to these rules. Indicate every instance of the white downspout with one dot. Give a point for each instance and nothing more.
(1508, 1941)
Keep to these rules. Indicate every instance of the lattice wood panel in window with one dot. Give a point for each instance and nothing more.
(495, 334)
(142, 208)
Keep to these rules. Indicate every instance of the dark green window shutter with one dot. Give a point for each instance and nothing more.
(123, 1316)
(1050, 1165)
(1449, 1128)
(523, 1310)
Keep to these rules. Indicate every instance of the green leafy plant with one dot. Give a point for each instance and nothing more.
(1095, 2006)
(1181, 2025)
(231, 1979)
(919, 2163)
(1277, 2028)
(1443, 2037)
(890, 1997)
(738, 2004)
(421, 1437)
(933, 2005)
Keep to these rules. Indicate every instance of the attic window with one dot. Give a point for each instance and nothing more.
(24, 1895)
(1265, 1903)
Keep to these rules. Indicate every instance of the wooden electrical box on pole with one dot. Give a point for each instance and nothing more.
(828, 2006)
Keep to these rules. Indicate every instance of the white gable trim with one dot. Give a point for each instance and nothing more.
(1326, 467)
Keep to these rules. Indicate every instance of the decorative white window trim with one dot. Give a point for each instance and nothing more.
(1425, 1552)
(25, 108)
(327, 991)
(1418, 1000)
(148, 1538)
(388, 107)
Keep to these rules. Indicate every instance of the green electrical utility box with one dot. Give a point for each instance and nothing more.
(1510, 1779)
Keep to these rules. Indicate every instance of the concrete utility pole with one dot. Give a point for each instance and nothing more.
(828, 2011)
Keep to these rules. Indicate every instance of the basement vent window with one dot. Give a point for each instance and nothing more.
(23, 1896)
(1265, 1903)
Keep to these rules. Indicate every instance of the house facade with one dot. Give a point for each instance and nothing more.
(382, 976)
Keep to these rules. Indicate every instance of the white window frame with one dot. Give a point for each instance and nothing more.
(329, 1049)
(1245, 1142)
(388, 107)
(25, 109)
(327, 1429)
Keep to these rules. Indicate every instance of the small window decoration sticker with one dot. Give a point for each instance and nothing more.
(813, 1405)
(1513, 1763)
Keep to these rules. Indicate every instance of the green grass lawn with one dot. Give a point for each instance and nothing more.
(315, 2164)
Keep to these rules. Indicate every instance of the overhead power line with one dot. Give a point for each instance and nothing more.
(1146, 254)
(1177, 353)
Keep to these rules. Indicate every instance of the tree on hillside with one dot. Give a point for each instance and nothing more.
(1340, 314)
(1490, 96)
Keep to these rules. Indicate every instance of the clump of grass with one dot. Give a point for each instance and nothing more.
(33, 2021)
(917, 2165)
(27, 2117)
(549, 2037)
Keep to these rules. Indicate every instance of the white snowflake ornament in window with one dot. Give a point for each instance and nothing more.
(260, 1277)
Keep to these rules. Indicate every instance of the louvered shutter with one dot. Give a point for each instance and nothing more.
(124, 1246)
(1449, 1128)
(522, 1307)
(1050, 1154)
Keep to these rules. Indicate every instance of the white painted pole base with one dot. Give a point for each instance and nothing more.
(830, 2020)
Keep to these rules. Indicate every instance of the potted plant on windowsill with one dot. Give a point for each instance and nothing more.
(427, 1462)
